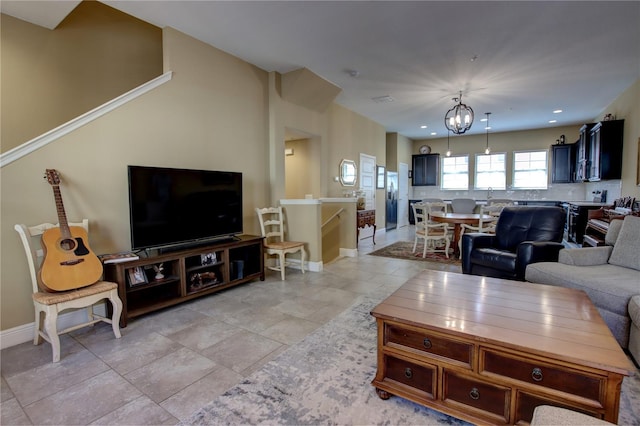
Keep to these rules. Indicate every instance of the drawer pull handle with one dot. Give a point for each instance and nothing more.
(536, 374)
(408, 373)
(475, 393)
(427, 343)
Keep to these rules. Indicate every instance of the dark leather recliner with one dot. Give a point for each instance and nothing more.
(523, 235)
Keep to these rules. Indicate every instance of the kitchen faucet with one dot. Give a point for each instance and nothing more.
(489, 193)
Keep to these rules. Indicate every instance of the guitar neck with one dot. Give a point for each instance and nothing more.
(62, 216)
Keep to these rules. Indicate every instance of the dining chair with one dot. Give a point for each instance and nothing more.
(463, 205)
(272, 227)
(503, 201)
(486, 226)
(430, 232)
(49, 305)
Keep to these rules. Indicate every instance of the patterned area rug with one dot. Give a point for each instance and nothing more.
(403, 250)
(326, 379)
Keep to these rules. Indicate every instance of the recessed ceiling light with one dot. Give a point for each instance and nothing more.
(553, 121)
(483, 119)
(423, 126)
(433, 133)
(487, 128)
(557, 111)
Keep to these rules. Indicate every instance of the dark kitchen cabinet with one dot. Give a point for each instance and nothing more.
(562, 162)
(426, 169)
(605, 150)
(582, 153)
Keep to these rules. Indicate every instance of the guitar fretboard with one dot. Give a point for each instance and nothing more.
(62, 216)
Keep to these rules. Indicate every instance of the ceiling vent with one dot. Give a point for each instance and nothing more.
(382, 99)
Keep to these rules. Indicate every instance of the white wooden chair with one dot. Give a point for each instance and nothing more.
(272, 228)
(430, 232)
(503, 201)
(487, 226)
(51, 304)
(434, 206)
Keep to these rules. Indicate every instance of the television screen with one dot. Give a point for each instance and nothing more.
(177, 206)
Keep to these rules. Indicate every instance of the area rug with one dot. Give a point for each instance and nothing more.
(326, 379)
(403, 250)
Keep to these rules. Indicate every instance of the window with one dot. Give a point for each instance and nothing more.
(491, 171)
(530, 169)
(455, 172)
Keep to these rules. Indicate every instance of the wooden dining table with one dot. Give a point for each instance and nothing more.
(458, 219)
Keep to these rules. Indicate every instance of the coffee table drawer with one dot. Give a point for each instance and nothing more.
(429, 342)
(526, 403)
(543, 374)
(491, 399)
(411, 374)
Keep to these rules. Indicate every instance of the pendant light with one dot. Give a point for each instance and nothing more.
(459, 118)
(487, 150)
(448, 149)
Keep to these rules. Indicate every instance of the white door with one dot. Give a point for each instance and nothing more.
(403, 195)
(368, 180)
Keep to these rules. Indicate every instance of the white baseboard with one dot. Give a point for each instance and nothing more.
(24, 333)
(344, 252)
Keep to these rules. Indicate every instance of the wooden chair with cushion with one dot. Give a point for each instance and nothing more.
(272, 228)
(486, 226)
(49, 305)
(430, 232)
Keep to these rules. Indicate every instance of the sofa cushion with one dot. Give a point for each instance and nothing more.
(634, 309)
(612, 233)
(493, 258)
(626, 251)
(609, 287)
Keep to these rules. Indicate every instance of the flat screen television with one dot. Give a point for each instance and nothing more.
(171, 207)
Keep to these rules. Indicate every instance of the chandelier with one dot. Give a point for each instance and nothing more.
(459, 118)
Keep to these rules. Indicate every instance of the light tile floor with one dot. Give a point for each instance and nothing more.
(170, 363)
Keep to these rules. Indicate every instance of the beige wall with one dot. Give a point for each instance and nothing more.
(627, 106)
(298, 179)
(193, 121)
(216, 113)
(352, 134)
(50, 77)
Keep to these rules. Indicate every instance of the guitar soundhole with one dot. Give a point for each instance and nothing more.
(68, 244)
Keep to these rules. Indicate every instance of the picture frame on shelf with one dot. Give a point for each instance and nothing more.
(380, 177)
(208, 258)
(137, 276)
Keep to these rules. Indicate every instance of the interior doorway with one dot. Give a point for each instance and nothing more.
(302, 174)
(367, 180)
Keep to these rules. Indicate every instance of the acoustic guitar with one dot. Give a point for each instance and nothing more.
(68, 261)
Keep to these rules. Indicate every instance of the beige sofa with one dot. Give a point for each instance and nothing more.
(610, 275)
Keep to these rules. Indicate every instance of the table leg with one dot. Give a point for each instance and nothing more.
(456, 238)
(374, 233)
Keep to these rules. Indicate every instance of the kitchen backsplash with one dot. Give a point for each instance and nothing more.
(559, 192)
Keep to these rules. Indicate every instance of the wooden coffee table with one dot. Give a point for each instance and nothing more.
(488, 350)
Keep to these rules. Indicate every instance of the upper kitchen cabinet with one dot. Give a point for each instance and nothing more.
(426, 169)
(562, 162)
(582, 153)
(605, 150)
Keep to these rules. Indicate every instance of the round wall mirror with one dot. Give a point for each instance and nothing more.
(348, 173)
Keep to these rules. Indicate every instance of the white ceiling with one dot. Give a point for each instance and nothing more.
(531, 57)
